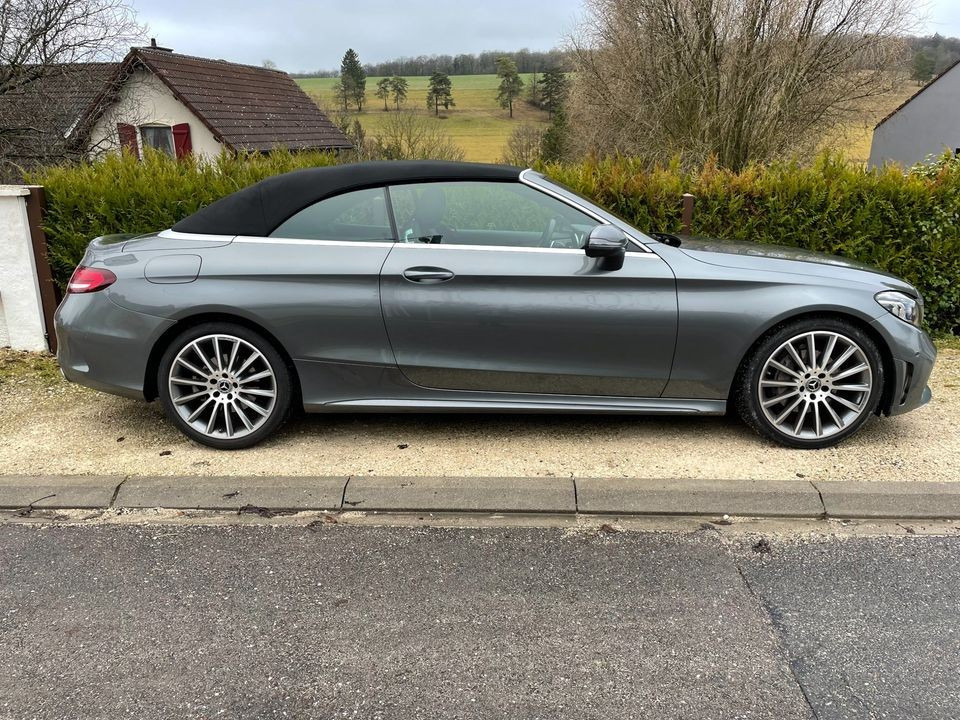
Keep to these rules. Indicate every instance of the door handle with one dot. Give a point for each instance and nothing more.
(427, 275)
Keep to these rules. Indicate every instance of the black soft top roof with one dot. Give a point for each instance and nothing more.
(259, 209)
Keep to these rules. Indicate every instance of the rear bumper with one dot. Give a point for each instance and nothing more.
(104, 346)
(914, 355)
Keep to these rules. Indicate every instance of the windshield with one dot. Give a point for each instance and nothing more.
(560, 188)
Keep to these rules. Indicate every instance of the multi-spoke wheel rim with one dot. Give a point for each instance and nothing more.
(815, 385)
(222, 386)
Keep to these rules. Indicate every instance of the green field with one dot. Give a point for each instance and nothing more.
(477, 124)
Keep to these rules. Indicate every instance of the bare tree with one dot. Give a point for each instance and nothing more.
(523, 147)
(49, 71)
(738, 80)
(405, 135)
(38, 35)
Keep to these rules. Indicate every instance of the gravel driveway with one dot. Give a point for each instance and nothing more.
(50, 427)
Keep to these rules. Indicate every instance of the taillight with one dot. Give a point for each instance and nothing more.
(86, 279)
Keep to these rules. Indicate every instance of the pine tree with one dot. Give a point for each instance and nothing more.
(923, 66)
(555, 144)
(353, 79)
(553, 90)
(440, 92)
(398, 86)
(383, 91)
(511, 84)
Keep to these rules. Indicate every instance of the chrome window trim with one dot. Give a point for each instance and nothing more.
(256, 239)
(510, 248)
(438, 246)
(578, 206)
(175, 235)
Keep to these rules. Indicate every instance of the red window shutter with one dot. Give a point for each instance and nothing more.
(128, 138)
(181, 140)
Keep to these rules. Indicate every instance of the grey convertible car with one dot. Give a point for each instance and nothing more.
(426, 286)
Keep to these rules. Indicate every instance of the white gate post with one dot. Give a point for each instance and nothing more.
(21, 310)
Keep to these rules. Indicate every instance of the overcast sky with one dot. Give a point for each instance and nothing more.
(301, 35)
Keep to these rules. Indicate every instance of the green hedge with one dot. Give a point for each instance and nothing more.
(907, 224)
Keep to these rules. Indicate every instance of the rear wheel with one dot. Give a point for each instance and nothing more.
(224, 385)
(811, 383)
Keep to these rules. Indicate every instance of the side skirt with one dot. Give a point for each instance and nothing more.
(636, 406)
(330, 387)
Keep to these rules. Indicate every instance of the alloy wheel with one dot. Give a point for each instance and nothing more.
(815, 385)
(222, 386)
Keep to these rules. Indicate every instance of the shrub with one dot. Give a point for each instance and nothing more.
(406, 135)
(523, 146)
(907, 224)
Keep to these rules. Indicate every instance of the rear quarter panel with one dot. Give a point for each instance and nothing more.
(321, 301)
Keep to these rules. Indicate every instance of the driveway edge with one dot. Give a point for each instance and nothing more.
(594, 496)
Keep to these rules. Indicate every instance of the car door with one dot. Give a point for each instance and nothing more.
(488, 289)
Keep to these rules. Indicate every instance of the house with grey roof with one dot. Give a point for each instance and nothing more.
(926, 125)
(174, 103)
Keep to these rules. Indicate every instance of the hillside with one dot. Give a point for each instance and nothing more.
(477, 124)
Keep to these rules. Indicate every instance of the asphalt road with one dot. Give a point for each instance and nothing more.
(169, 621)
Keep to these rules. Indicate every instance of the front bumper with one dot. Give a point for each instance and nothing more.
(104, 346)
(914, 355)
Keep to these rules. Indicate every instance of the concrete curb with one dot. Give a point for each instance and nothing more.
(607, 496)
(907, 500)
(232, 493)
(467, 494)
(754, 498)
(57, 492)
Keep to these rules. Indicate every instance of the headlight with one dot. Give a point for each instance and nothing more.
(903, 306)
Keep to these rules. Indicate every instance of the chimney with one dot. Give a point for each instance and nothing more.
(154, 46)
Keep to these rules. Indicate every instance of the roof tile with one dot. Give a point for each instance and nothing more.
(249, 108)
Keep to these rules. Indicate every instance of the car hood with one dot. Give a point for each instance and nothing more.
(760, 256)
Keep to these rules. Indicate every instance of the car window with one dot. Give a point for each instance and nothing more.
(359, 216)
(486, 213)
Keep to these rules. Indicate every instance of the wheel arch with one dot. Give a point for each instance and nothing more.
(150, 390)
(886, 355)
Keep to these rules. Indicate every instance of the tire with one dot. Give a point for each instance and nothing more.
(801, 404)
(224, 385)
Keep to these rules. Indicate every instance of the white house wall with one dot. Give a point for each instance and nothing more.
(145, 100)
(927, 125)
(21, 312)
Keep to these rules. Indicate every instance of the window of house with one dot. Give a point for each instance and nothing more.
(158, 137)
(359, 216)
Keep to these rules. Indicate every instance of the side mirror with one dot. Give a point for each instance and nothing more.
(609, 243)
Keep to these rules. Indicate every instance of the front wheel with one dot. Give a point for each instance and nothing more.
(811, 383)
(224, 385)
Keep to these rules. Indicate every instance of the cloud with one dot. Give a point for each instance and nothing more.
(303, 36)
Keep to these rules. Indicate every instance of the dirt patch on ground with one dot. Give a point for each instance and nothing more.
(49, 426)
